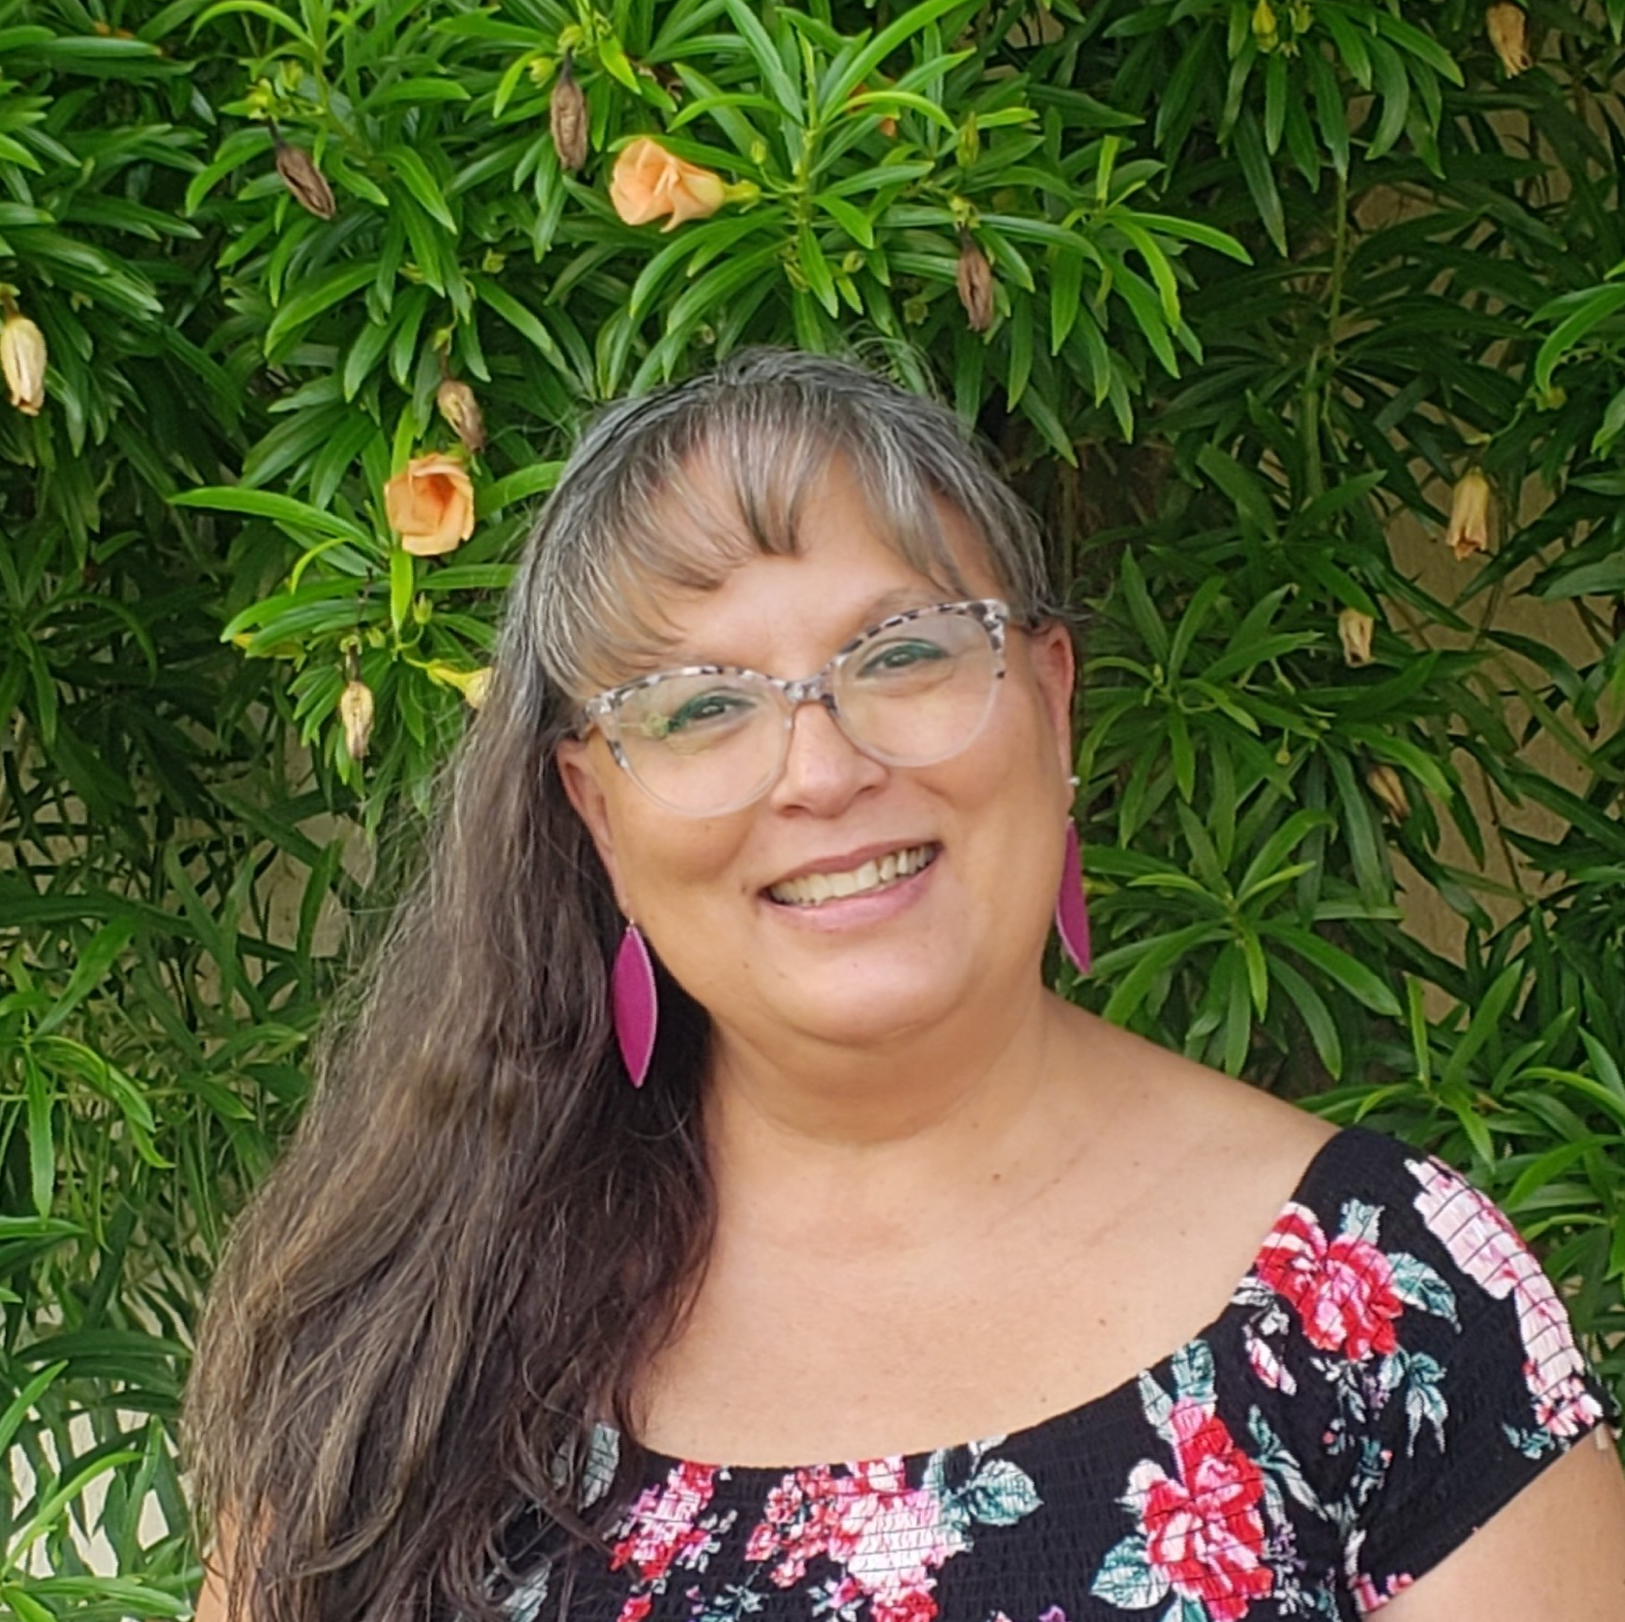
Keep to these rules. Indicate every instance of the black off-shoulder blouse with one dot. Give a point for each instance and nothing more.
(1391, 1370)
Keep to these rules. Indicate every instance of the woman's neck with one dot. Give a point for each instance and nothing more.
(860, 1144)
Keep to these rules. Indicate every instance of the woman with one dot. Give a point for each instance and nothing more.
(839, 1179)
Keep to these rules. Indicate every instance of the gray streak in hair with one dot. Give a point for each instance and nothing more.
(629, 517)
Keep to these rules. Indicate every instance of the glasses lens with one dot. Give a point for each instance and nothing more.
(918, 692)
(702, 744)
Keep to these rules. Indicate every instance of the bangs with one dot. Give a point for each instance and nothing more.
(668, 492)
(687, 511)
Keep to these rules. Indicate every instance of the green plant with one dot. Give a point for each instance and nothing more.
(1257, 285)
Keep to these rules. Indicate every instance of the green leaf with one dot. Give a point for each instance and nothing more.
(282, 510)
(103, 950)
(402, 580)
(413, 173)
(1337, 965)
(841, 81)
(1260, 179)
(41, 1101)
(522, 320)
(1599, 304)
(303, 307)
(769, 63)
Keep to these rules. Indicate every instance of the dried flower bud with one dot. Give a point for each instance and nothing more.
(459, 407)
(301, 176)
(1389, 788)
(1507, 31)
(1355, 628)
(1469, 528)
(975, 277)
(22, 358)
(356, 712)
(567, 117)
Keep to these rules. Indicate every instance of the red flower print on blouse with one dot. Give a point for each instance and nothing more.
(1203, 1529)
(887, 1536)
(1343, 1290)
(661, 1525)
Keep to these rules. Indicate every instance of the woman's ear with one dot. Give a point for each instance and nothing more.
(579, 764)
(1055, 669)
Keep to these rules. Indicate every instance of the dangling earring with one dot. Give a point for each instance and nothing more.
(1071, 908)
(634, 1003)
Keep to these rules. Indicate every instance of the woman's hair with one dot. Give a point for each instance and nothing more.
(480, 1232)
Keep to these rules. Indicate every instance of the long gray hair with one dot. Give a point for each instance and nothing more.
(480, 1232)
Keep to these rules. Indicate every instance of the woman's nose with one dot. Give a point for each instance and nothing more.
(823, 768)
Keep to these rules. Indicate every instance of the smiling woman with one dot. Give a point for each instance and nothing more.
(772, 787)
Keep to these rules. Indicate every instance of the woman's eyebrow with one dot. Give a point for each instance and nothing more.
(672, 655)
(899, 600)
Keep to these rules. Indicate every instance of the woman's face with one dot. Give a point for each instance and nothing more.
(964, 932)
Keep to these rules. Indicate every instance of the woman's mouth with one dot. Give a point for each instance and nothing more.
(878, 873)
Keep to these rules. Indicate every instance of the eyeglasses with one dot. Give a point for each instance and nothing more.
(709, 739)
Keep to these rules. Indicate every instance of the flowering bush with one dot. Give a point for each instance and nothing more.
(1299, 323)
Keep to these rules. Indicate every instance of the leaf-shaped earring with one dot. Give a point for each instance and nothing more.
(1071, 909)
(635, 1003)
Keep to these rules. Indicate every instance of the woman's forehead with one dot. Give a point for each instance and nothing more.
(689, 539)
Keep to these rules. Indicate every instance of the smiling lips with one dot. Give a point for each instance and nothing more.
(814, 889)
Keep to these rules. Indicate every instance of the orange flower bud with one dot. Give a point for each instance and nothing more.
(1355, 628)
(975, 278)
(1469, 528)
(649, 181)
(356, 713)
(477, 688)
(22, 359)
(459, 407)
(474, 685)
(301, 176)
(1507, 30)
(430, 504)
(887, 125)
(567, 117)
(1389, 788)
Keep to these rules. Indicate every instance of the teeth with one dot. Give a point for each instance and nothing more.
(813, 888)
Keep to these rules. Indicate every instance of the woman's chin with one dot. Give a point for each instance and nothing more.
(872, 1008)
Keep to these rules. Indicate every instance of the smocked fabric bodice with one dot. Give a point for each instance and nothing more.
(1393, 1367)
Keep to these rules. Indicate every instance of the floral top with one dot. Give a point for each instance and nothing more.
(1393, 1367)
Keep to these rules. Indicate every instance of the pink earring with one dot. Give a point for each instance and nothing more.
(634, 1003)
(1071, 909)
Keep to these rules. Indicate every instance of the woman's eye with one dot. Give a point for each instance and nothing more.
(902, 656)
(704, 709)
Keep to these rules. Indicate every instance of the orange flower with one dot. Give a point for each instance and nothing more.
(649, 181)
(430, 504)
(1469, 528)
